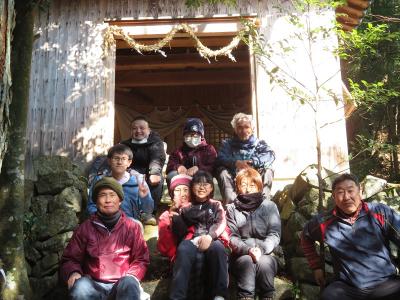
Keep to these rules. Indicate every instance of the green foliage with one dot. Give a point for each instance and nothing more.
(372, 60)
(364, 44)
(371, 147)
(369, 95)
(295, 289)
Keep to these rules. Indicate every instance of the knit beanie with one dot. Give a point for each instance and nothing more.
(194, 125)
(180, 179)
(110, 183)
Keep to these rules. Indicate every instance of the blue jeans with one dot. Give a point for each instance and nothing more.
(86, 288)
(251, 276)
(216, 263)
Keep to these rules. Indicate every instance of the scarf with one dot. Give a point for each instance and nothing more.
(243, 145)
(248, 202)
(142, 141)
(109, 221)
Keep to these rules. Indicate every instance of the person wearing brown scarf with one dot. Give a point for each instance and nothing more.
(255, 227)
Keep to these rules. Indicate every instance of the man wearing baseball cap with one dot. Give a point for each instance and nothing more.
(107, 255)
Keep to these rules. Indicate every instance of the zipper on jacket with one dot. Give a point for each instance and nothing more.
(251, 227)
(101, 225)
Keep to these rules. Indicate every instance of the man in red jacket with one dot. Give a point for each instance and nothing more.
(107, 255)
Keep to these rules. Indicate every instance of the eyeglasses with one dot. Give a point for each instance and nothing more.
(245, 185)
(202, 184)
(119, 159)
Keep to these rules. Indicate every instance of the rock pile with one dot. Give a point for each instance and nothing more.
(53, 208)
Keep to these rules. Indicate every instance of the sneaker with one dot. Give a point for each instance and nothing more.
(148, 219)
(2, 280)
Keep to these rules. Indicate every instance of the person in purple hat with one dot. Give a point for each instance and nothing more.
(194, 155)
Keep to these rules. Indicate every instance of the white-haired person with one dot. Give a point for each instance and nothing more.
(243, 150)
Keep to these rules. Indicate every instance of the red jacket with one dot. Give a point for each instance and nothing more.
(203, 156)
(167, 243)
(104, 255)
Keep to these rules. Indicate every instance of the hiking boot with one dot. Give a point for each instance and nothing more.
(148, 219)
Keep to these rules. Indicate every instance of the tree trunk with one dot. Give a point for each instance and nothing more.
(6, 27)
(12, 175)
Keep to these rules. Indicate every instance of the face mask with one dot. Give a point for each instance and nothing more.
(192, 142)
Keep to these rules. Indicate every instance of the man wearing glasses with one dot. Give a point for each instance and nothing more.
(137, 198)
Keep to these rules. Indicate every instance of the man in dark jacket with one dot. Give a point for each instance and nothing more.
(107, 255)
(357, 234)
(194, 155)
(148, 159)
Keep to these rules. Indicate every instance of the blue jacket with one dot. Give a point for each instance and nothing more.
(360, 252)
(132, 205)
(255, 150)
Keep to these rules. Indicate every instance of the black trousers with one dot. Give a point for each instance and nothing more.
(156, 192)
(252, 276)
(216, 263)
(387, 290)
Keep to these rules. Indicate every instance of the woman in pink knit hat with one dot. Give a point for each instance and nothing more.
(180, 195)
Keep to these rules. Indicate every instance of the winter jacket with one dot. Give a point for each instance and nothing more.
(132, 204)
(261, 228)
(207, 218)
(255, 150)
(149, 157)
(203, 156)
(167, 242)
(360, 251)
(105, 255)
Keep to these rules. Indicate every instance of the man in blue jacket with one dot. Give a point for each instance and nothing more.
(137, 199)
(357, 234)
(243, 151)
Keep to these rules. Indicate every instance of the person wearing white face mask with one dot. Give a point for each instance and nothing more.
(195, 154)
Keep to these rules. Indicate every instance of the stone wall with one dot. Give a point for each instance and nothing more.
(53, 209)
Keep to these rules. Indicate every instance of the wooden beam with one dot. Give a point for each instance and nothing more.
(178, 61)
(219, 26)
(173, 21)
(137, 79)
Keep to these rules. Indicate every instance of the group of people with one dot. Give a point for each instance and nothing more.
(107, 256)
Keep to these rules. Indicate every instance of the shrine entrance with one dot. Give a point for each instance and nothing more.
(176, 83)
